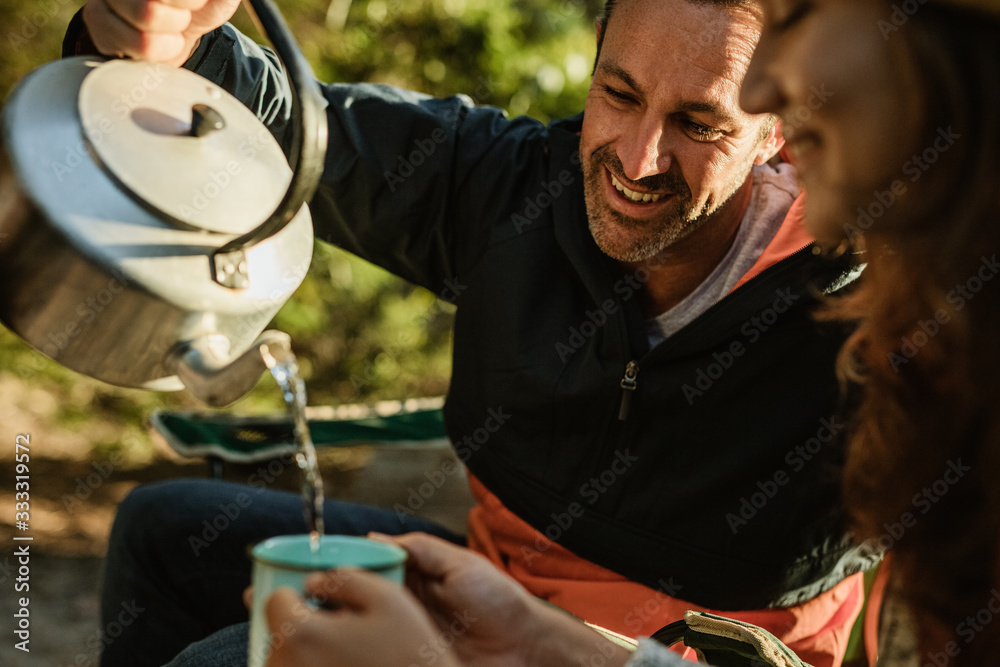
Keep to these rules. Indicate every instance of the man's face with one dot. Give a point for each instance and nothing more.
(664, 144)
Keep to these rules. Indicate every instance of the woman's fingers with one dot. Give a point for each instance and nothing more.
(283, 605)
(432, 556)
(357, 589)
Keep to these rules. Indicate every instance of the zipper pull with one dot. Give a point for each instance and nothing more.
(628, 385)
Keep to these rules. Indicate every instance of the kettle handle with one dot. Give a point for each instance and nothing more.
(309, 131)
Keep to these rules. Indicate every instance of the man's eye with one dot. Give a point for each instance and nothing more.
(618, 95)
(703, 132)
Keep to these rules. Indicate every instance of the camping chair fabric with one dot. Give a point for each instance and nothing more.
(725, 642)
(240, 439)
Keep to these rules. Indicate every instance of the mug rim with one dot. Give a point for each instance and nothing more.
(397, 554)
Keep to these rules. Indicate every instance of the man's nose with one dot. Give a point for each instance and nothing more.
(644, 150)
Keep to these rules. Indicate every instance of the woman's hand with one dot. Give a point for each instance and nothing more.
(377, 623)
(165, 31)
(461, 611)
(488, 619)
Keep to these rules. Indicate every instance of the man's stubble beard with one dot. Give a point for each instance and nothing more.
(674, 224)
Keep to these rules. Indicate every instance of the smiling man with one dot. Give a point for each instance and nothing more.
(665, 147)
(636, 299)
(666, 150)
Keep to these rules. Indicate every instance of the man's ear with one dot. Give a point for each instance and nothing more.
(770, 145)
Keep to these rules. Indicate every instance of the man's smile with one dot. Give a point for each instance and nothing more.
(632, 202)
(634, 195)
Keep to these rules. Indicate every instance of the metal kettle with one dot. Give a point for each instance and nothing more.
(150, 225)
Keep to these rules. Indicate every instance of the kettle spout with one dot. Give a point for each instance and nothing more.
(215, 378)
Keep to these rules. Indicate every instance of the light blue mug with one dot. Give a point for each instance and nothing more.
(289, 559)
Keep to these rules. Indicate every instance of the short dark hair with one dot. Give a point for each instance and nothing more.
(609, 6)
(602, 20)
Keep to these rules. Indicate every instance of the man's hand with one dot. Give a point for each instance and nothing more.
(166, 31)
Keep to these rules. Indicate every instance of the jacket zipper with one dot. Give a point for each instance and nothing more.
(628, 384)
(629, 380)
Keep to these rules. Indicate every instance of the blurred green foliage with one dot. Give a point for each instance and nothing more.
(361, 334)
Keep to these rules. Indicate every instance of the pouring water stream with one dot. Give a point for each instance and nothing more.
(281, 361)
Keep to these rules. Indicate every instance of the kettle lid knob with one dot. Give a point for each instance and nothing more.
(205, 120)
(182, 146)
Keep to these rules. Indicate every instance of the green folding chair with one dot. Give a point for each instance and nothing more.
(222, 438)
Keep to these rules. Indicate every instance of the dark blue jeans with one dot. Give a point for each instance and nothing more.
(178, 560)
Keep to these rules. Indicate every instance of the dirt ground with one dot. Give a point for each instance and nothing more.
(72, 506)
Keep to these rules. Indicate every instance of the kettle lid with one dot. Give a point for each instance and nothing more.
(182, 146)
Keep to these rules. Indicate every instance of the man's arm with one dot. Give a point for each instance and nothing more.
(411, 183)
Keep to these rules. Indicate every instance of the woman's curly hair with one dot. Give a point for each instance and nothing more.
(923, 465)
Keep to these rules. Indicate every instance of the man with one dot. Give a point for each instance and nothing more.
(643, 400)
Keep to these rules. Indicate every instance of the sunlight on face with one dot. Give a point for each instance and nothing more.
(664, 144)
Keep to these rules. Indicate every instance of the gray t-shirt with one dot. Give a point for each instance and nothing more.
(772, 194)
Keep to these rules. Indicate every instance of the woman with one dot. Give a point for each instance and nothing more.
(902, 161)
(888, 109)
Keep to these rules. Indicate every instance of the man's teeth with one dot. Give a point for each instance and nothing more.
(632, 194)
